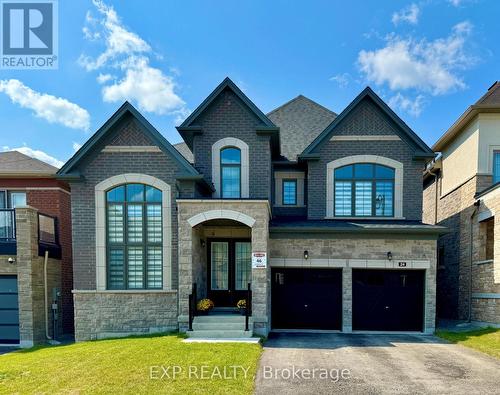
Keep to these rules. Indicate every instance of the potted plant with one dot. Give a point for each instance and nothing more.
(204, 306)
(242, 306)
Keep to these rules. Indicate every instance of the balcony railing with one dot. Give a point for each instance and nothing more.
(7, 224)
(48, 239)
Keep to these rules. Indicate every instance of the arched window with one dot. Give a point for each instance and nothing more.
(364, 190)
(230, 168)
(134, 237)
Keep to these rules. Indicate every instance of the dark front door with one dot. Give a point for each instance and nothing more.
(9, 310)
(229, 270)
(387, 300)
(306, 298)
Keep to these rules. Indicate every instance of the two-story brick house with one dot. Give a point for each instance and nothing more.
(461, 192)
(320, 213)
(35, 219)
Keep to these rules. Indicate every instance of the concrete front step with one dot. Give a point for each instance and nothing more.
(204, 326)
(220, 334)
(220, 319)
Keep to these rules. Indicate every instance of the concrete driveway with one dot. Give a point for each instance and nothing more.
(370, 364)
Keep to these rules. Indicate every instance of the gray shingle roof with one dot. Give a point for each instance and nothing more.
(14, 162)
(492, 96)
(300, 121)
(185, 151)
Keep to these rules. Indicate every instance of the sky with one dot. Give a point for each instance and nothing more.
(429, 60)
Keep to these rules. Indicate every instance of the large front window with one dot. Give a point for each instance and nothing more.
(230, 164)
(364, 190)
(134, 237)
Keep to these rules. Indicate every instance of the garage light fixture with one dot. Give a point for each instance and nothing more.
(306, 254)
(389, 256)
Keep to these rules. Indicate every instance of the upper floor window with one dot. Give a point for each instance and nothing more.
(364, 190)
(230, 165)
(496, 167)
(134, 237)
(289, 192)
(12, 199)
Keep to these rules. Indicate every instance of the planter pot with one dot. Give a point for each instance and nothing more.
(242, 310)
(203, 312)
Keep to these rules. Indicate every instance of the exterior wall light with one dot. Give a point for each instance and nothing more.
(306, 254)
(202, 242)
(389, 256)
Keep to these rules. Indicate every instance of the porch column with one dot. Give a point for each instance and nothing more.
(185, 271)
(261, 277)
(347, 299)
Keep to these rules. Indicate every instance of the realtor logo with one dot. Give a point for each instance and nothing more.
(29, 34)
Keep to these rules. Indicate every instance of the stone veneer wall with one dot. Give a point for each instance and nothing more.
(454, 273)
(103, 314)
(349, 253)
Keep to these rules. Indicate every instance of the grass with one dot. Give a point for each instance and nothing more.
(124, 366)
(485, 340)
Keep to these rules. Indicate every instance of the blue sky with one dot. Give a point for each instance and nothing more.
(428, 59)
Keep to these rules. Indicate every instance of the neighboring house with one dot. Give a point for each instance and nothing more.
(35, 217)
(320, 213)
(467, 176)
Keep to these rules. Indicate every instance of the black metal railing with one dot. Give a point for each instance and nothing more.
(7, 224)
(192, 306)
(248, 305)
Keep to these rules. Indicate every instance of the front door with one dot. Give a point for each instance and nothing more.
(229, 270)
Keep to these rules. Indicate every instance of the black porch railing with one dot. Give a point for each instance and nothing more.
(7, 224)
(248, 307)
(192, 306)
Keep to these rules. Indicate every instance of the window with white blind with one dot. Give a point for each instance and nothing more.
(134, 237)
(364, 190)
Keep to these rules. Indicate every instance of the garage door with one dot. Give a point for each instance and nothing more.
(9, 310)
(388, 300)
(306, 298)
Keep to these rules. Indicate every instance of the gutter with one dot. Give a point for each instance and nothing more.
(379, 230)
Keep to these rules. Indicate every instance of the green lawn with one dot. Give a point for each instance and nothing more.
(484, 340)
(125, 366)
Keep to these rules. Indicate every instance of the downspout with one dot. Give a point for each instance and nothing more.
(471, 250)
(45, 294)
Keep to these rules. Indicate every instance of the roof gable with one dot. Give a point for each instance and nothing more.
(225, 84)
(300, 120)
(402, 129)
(108, 127)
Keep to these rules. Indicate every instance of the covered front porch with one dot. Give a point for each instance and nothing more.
(216, 241)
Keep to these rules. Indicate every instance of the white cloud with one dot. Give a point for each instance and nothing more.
(149, 87)
(426, 66)
(37, 154)
(407, 104)
(51, 108)
(76, 146)
(103, 78)
(408, 14)
(341, 79)
(127, 53)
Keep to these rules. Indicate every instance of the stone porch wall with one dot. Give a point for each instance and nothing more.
(104, 314)
(259, 212)
(29, 268)
(349, 253)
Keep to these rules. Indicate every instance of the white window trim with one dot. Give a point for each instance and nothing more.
(216, 148)
(100, 236)
(350, 160)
